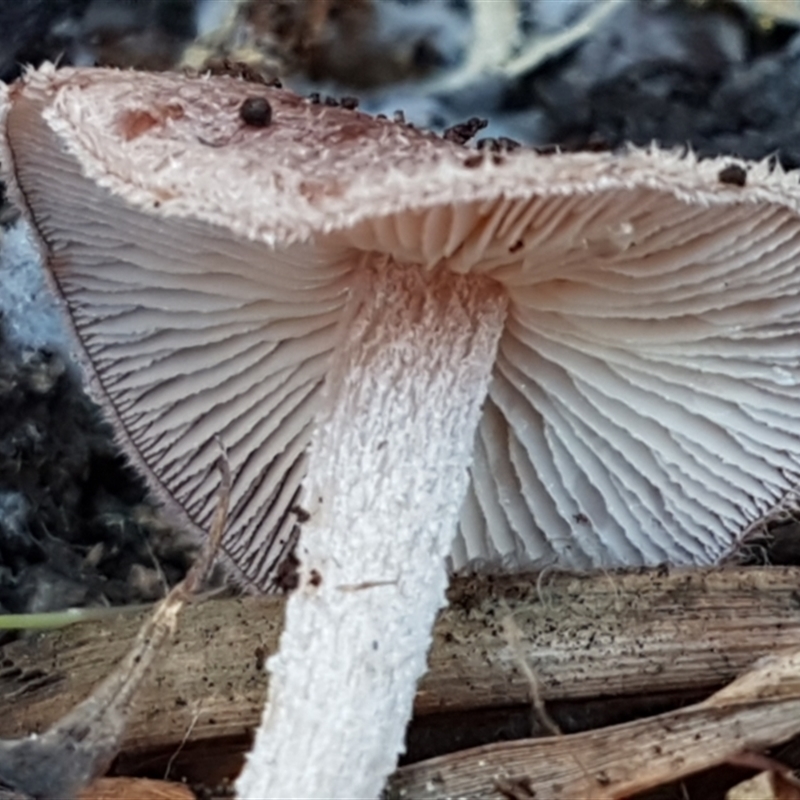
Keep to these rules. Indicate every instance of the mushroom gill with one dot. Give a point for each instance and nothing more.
(643, 406)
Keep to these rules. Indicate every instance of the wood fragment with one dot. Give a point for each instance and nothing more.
(777, 782)
(764, 786)
(626, 636)
(758, 710)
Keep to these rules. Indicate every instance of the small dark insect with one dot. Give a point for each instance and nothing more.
(261, 657)
(508, 143)
(238, 69)
(349, 102)
(256, 112)
(286, 577)
(464, 131)
(301, 514)
(500, 144)
(597, 143)
(331, 101)
(733, 174)
(581, 519)
(314, 578)
(488, 143)
(315, 98)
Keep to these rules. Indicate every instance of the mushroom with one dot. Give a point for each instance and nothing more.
(418, 356)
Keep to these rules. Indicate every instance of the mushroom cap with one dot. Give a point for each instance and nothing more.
(644, 404)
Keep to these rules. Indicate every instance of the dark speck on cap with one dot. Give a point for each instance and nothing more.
(256, 111)
(733, 174)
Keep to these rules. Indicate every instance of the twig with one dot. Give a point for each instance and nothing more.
(514, 637)
(182, 743)
(764, 763)
(495, 34)
(541, 49)
(496, 39)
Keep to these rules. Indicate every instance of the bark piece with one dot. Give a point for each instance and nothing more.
(758, 710)
(622, 635)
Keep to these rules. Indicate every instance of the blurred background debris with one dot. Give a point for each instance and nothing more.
(717, 75)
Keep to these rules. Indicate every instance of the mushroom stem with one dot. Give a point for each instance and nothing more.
(387, 477)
